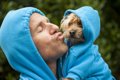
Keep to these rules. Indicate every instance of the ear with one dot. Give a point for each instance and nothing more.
(65, 17)
(74, 18)
(80, 23)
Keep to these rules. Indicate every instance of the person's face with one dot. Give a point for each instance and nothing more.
(47, 38)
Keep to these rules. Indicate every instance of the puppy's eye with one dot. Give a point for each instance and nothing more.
(70, 23)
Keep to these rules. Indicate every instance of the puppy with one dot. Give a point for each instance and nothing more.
(71, 28)
(84, 61)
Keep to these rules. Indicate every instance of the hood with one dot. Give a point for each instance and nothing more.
(90, 22)
(19, 48)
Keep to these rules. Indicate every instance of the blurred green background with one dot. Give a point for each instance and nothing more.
(108, 41)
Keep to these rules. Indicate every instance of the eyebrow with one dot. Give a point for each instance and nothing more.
(46, 19)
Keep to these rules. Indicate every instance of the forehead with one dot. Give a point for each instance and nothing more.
(37, 16)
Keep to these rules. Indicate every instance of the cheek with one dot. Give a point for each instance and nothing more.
(40, 42)
(45, 44)
(79, 31)
(49, 47)
(61, 49)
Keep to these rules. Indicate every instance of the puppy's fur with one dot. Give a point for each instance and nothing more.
(72, 29)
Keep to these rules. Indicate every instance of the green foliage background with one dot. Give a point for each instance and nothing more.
(108, 41)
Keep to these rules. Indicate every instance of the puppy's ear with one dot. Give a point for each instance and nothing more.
(74, 18)
(65, 17)
(80, 23)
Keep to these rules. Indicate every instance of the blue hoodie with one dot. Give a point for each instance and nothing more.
(83, 61)
(19, 48)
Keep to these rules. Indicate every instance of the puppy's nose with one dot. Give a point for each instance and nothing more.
(72, 33)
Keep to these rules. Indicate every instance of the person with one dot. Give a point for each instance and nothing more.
(83, 60)
(31, 44)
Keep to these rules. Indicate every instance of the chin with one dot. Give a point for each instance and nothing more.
(58, 52)
(63, 49)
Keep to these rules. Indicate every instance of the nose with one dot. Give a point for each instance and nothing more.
(72, 33)
(54, 28)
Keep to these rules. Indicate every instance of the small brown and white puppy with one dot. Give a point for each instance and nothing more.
(71, 27)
